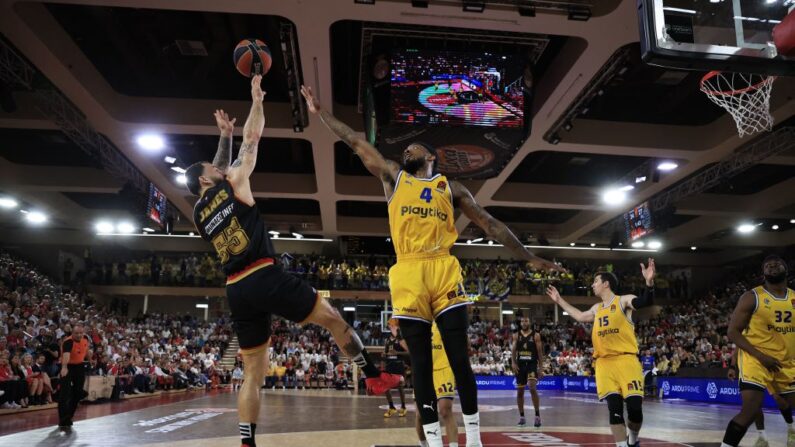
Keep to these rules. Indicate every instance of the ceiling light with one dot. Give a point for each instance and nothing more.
(151, 142)
(792, 221)
(23, 211)
(640, 179)
(655, 245)
(746, 228)
(469, 242)
(593, 245)
(8, 203)
(35, 217)
(626, 188)
(565, 314)
(614, 197)
(667, 166)
(191, 234)
(181, 179)
(775, 227)
(202, 306)
(169, 160)
(148, 230)
(685, 11)
(301, 236)
(475, 241)
(104, 227)
(125, 228)
(507, 312)
(178, 169)
(638, 244)
(273, 233)
(349, 309)
(571, 244)
(491, 242)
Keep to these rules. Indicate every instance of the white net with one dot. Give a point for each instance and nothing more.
(745, 96)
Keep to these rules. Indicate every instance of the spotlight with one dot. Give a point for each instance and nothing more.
(469, 242)
(202, 306)
(775, 227)
(181, 179)
(491, 242)
(178, 169)
(125, 228)
(593, 245)
(151, 142)
(419, 3)
(638, 244)
(298, 235)
(349, 309)
(191, 234)
(507, 312)
(474, 6)
(626, 188)
(792, 221)
(746, 228)
(169, 160)
(274, 234)
(8, 203)
(614, 196)
(693, 248)
(104, 227)
(572, 244)
(148, 230)
(640, 179)
(667, 166)
(36, 217)
(475, 241)
(655, 245)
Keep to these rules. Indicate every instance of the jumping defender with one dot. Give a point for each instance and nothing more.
(527, 360)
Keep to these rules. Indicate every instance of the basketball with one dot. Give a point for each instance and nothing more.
(784, 35)
(252, 57)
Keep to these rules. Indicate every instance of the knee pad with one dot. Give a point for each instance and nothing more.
(635, 409)
(616, 408)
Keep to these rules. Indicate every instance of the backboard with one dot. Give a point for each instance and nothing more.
(727, 35)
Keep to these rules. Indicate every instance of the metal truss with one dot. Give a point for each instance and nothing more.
(292, 67)
(18, 72)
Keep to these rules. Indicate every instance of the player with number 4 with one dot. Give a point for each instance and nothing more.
(619, 377)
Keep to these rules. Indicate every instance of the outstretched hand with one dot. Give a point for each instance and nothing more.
(257, 95)
(311, 102)
(553, 293)
(648, 272)
(542, 264)
(225, 125)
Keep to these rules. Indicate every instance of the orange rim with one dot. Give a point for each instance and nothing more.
(715, 73)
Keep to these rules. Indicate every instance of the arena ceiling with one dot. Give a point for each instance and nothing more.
(124, 64)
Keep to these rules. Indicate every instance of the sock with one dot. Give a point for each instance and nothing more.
(734, 434)
(622, 444)
(633, 436)
(391, 406)
(538, 413)
(472, 427)
(247, 433)
(787, 413)
(433, 434)
(366, 364)
(521, 413)
(762, 434)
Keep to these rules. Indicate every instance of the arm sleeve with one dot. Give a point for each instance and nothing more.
(645, 299)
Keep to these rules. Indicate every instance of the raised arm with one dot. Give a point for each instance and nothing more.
(223, 156)
(495, 229)
(243, 166)
(577, 314)
(385, 170)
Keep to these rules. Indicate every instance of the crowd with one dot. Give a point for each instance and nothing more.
(494, 279)
(143, 354)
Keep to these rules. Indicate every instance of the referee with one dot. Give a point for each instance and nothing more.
(73, 375)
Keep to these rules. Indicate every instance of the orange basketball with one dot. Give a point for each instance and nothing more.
(252, 57)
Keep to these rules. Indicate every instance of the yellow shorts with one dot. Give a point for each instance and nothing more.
(619, 374)
(754, 375)
(444, 382)
(424, 286)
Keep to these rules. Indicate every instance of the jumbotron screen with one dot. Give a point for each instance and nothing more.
(638, 222)
(156, 207)
(456, 89)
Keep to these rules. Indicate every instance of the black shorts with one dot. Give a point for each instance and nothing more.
(396, 367)
(267, 291)
(528, 369)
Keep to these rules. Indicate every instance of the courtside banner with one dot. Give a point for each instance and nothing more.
(703, 390)
(559, 383)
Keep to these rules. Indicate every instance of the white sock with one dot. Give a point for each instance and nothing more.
(472, 427)
(633, 436)
(622, 444)
(762, 434)
(433, 434)
(423, 443)
(453, 444)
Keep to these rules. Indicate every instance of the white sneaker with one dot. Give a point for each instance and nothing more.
(761, 442)
(6, 406)
(16, 405)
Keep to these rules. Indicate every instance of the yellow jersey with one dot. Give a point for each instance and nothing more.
(772, 328)
(439, 355)
(613, 333)
(421, 216)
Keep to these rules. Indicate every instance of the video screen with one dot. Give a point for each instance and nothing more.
(638, 222)
(457, 89)
(156, 207)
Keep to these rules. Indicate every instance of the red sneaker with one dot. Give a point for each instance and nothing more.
(381, 384)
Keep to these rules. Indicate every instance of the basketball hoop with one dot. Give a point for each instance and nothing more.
(745, 96)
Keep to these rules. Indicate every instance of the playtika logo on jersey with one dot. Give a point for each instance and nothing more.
(423, 212)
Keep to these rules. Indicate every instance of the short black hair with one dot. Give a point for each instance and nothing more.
(775, 258)
(432, 150)
(192, 175)
(609, 278)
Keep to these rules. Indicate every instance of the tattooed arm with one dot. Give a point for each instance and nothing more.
(223, 156)
(385, 170)
(243, 166)
(496, 229)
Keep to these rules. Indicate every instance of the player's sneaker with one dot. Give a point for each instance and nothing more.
(761, 442)
(537, 422)
(522, 422)
(790, 438)
(389, 413)
(381, 384)
(402, 412)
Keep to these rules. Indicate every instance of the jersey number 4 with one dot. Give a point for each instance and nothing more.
(232, 241)
(783, 317)
(426, 195)
(603, 321)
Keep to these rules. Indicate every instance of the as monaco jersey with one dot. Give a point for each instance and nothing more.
(421, 215)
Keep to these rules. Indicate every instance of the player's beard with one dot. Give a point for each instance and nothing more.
(412, 166)
(777, 278)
